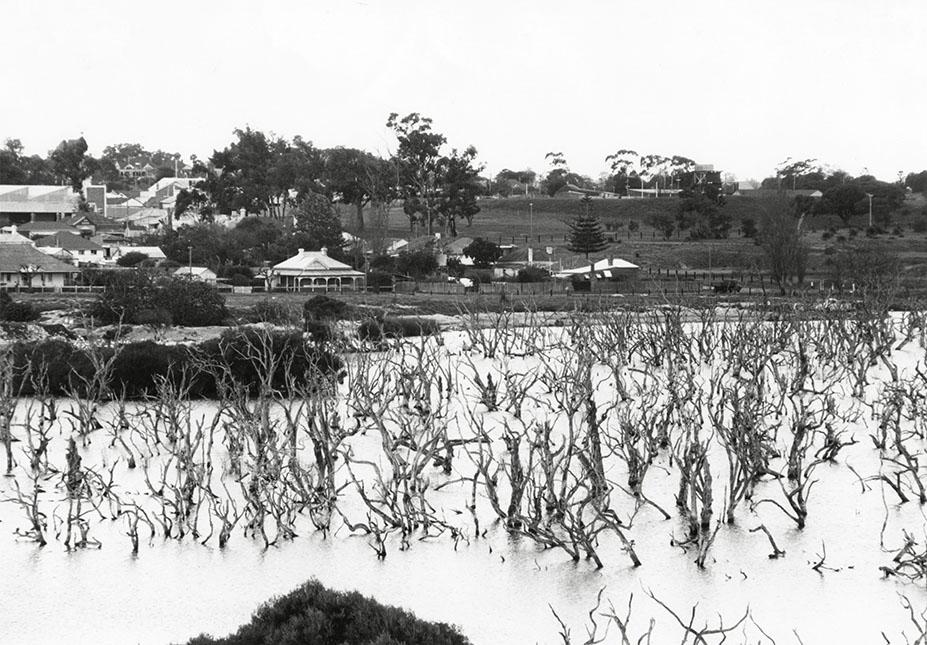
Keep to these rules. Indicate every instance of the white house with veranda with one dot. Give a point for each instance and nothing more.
(315, 271)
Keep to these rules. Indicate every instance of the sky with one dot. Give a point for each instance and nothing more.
(741, 85)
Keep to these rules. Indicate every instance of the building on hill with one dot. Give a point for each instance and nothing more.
(200, 274)
(773, 193)
(315, 271)
(24, 266)
(22, 204)
(71, 248)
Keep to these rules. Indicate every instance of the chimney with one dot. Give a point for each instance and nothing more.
(301, 251)
(530, 255)
(324, 250)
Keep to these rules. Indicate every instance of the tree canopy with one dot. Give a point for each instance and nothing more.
(586, 234)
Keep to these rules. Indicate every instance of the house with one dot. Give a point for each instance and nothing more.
(517, 259)
(153, 252)
(201, 274)
(35, 230)
(91, 224)
(315, 270)
(72, 248)
(22, 265)
(607, 269)
(36, 203)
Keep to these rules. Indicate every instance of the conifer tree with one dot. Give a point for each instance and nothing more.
(586, 235)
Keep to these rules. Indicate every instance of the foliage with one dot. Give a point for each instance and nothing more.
(433, 186)
(325, 308)
(376, 329)
(314, 614)
(533, 274)
(356, 178)
(131, 259)
(315, 216)
(586, 235)
(129, 293)
(703, 215)
(273, 312)
(783, 242)
(844, 201)
(869, 266)
(663, 222)
(483, 252)
(70, 162)
(12, 311)
(138, 366)
(748, 227)
(417, 264)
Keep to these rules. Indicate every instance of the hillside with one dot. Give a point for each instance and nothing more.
(508, 221)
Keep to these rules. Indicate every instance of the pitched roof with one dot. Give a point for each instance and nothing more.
(314, 261)
(195, 271)
(47, 227)
(96, 219)
(457, 246)
(8, 235)
(153, 252)
(605, 267)
(14, 256)
(67, 241)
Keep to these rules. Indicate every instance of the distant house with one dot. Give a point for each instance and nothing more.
(91, 224)
(607, 269)
(773, 193)
(515, 260)
(202, 274)
(315, 270)
(71, 247)
(22, 265)
(153, 252)
(37, 229)
(36, 203)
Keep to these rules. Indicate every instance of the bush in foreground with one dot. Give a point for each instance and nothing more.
(314, 614)
(137, 367)
(376, 329)
(130, 295)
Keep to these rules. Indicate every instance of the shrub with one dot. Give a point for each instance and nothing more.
(479, 276)
(18, 312)
(324, 308)
(131, 259)
(189, 302)
(483, 252)
(273, 312)
(137, 366)
(376, 329)
(533, 274)
(153, 317)
(417, 264)
(379, 280)
(919, 225)
(314, 614)
(241, 280)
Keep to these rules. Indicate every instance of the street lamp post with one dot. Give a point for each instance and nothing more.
(869, 195)
(530, 219)
(190, 260)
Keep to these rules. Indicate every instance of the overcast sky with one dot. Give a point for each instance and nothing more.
(741, 85)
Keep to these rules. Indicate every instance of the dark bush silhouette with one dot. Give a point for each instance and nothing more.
(324, 308)
(189, 302)
(18, 312)
(138, 366)
(131, 259)
(320, 616)
(377, 329)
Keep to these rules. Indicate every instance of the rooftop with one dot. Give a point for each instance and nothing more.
(15, 256)
(67, 241)
(314, 261)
